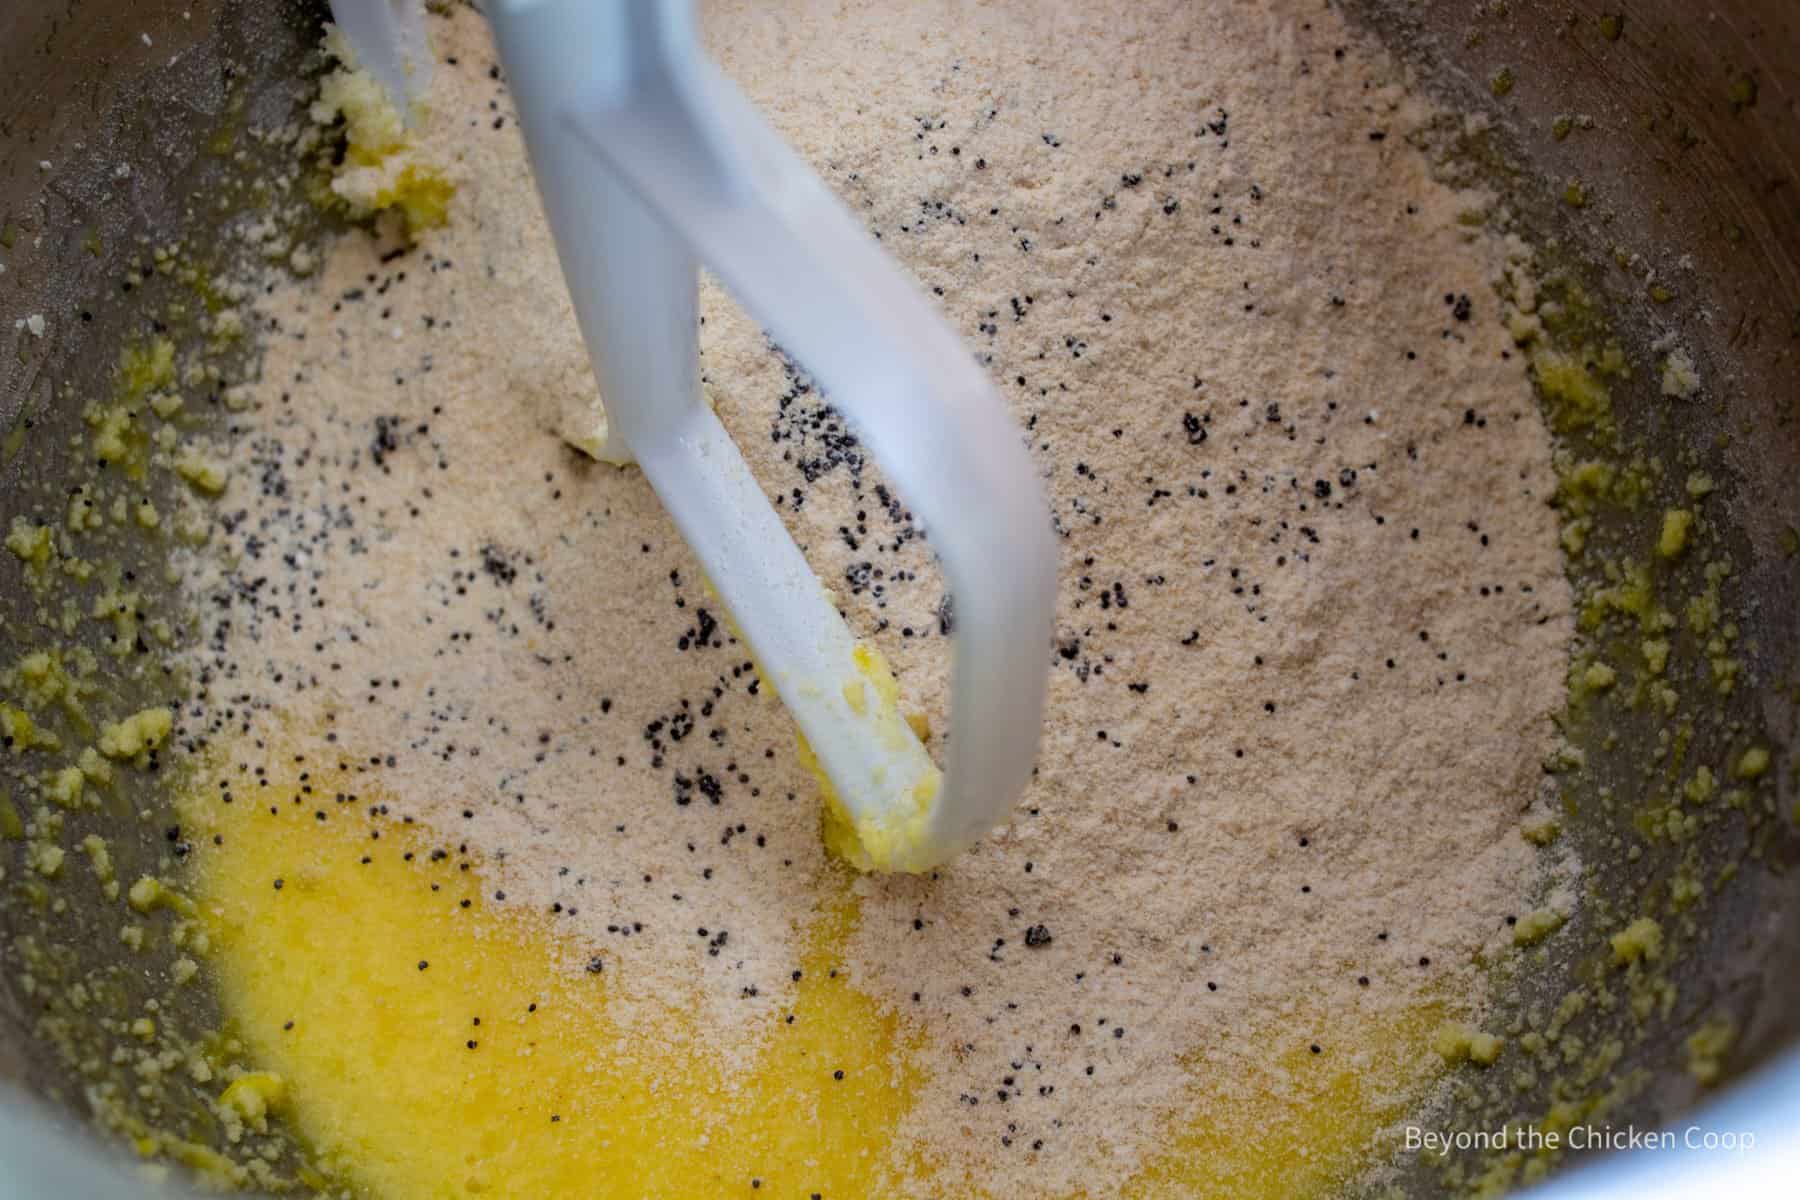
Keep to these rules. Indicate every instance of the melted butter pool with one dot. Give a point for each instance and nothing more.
(430, 1045)
(1314, 1119)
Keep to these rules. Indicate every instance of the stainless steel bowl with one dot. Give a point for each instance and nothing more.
(120, 130)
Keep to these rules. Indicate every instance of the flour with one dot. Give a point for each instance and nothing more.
(1312, 621)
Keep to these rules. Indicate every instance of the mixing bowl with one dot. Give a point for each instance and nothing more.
(1648, 148)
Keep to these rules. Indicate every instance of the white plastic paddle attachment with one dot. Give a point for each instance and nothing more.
(650, 162)
(388, 38)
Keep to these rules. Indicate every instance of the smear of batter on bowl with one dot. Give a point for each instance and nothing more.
(482, 739)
